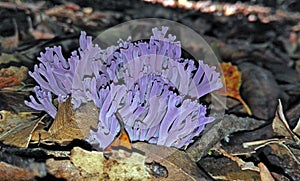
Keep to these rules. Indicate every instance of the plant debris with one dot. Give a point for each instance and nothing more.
(255, 140)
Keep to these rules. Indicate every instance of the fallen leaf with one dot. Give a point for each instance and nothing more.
(282, 156)
(177, 163)
(8, 81)
(260, 90)
(216, 131)
(279, 177)
(93, 165)
(241, 163)
(16, 129)
(10, 172)
(123, 139)
(280, 125)
(144, 162)
(233, 79)
(20, 73)
(69, 124)
(265, 174)
(296, 130)
(12, 76)
(15, 167)
(63, 169)
(223, 168)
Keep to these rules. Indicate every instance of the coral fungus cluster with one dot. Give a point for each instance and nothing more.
(149, 84)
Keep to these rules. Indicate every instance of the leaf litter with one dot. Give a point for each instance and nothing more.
(284, 145)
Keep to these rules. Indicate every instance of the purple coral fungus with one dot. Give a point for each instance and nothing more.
(153, 88)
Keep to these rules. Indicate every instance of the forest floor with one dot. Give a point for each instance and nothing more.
(257, 137)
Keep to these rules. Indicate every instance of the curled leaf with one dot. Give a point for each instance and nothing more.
(281, 127)
(232, 80)
(123, 139)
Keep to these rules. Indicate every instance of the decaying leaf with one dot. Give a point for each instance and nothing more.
(63, 169)
(123, 139)
(265, 174)
(241, 163)
(8, 81)
(12, 76)
(10, 172)
(144, 162)
(260, 90)
(223, 168)
(296, 130)
(14, 167)
(244, 171)
(223, 125)
(93, 165)
(16, 129)
(280, 125)
(282, 156)
(86, 165)
(19, 73)
(177, 163)
(69, 124)
(233, 79)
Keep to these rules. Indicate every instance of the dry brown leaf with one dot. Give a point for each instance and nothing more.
(69, 125)
(177, 163)
(144, 162)
(16, 129)
(265, 174)
(12, 76)
(241, 163)
(63, 129)
(232, 80)
(280, 125)
(10, 172)
(86, 165)
(223, 168)
(222, 126)
(20, 73)
(93, 165)
(279, 177)
(63, 169)
(8, 81)
(123, 139)
(283, 157)
(296, 130)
